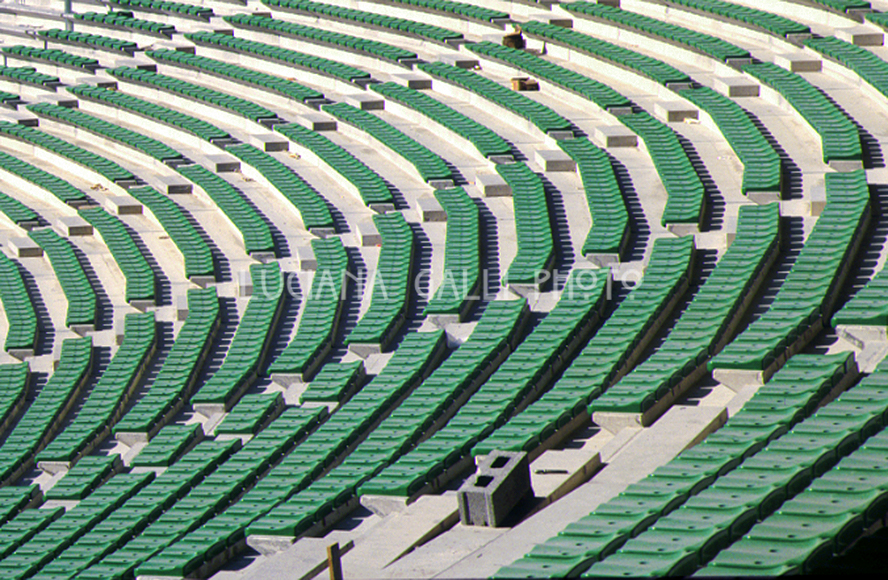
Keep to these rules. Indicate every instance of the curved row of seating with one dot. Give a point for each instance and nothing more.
(548, 348)
(17, 212)
(391, 285)
(370, 185)
(104, 402)
(806, 295)
(47, 409)
(28, 75)
(174, 8)
(462, 255)
(282, 86)
(125, 20)
(536, 253)
(40, 549)
(25, 526)
(406, 425)
(240, 106)
(81, 297)
(609, 234)
(250, 414)
(400, 26)
(140, 280)
(176, 223)
(762, 167)
(868, 307)
(608, 353)
(483, 138)
(211, 526)
(180, 369)
(84, 478)
(839, 137)
(817, 524)
(9, 99)
(116, 133)
(85, 39)
(205, 479)
(320, 316)
(325, 37)
(427, 163)
(709, 45)
(14, 380)
(768, 21)
(786, 400)
(545, 119)
(101, 165)
(592, 90)
(461, 9)
(843, 6)
(15, 499)
(335, 383)
(650, 67)
(193, 125)
(22, 330)
(248, 220)
(317, 64)
(51, 56)
(97, 530)
(312, 207)
(686, 200)
(868, 65)
(705, 324)
(249, 347)
(755, 490)
(168, 445)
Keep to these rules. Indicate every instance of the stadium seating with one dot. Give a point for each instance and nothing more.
(19, 311)
(82, 304)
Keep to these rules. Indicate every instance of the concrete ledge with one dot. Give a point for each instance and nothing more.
(683, 229)
(675, 111)
(209, 409)
(441, 183)
(317, 122)
(552, 19)
(364, 349)
(59, 100)
(413, 81)
(860, 35)
(492, 185)
(368, 234)
(846, 164)
(383, 505)
(203, 282)
(220, 163)
(737, 379)
(603, 260)
(736, 86)
(459, 60)
(554, 160)
(306, 257)
(98, 82)
(172, 184)
(365, 101)
(798, 62)
(137, 63)
(381, 207)
(609, 136)
(430, 210)
(269, 142)
(20, 118)
(123, 205)
(74, 226)
(24, 247)
(763, 197)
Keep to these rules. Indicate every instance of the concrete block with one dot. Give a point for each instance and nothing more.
(181, 308)
(97, 81)
(501, 481)
(369, 234)
(74, 226)
(24, 247)
(817, 200)
(459, 60)
(307, 260)
(554, 160)
(860, 35)
(59, 100)
(244, 284)
(736, 86)
(139, 63)
(492, 185)
(185, 47)
(552, 19)
(172, 184)
(123, 205)
(798, 62)
(614, 136)
(222, 163)
(675, 111)
(365, 101)
(413, 81)
(20, 118)
(431, 210)
(317, 122)
(269, 142)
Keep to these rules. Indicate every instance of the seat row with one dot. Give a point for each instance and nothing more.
(768, 21)
(335, 383)
(251, 414)
(125, 20)
(105, 402)
(174, 8)
(78, 38)
(81, 297)
(22, 333)
(52, 56)
(85, 477)
(14, 380)
(28, 75)
(787, 399)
